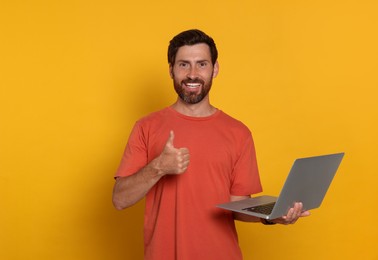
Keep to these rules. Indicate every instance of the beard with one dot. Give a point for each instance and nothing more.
(190, 97)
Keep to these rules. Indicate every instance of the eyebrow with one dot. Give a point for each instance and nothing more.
(198, 61)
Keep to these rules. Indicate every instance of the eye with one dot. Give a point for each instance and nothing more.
(202, 64)
(183, 65)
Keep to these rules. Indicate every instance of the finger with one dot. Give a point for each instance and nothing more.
(297, 213)
(185, 163)
(300, 210)
(182, 167)
(184, 154)
(300, 206)
(305, 213)
(289, 215)
(296, 210)
(170, 139)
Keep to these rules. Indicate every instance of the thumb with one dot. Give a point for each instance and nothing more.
(170, 139)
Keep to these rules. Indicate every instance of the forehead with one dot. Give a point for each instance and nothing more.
(200, 51)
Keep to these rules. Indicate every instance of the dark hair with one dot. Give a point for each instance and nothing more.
(191, 37)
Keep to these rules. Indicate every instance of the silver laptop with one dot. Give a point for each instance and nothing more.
(307, 182)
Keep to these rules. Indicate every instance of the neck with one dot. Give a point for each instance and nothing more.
(201, 109)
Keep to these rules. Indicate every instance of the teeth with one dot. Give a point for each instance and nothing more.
(193, 85)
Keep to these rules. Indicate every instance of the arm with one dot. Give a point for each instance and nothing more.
(129, 190)
(291, 217)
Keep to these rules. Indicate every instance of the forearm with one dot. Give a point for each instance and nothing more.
(129, 190)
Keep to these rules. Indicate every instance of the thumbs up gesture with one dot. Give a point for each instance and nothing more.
(173, 160)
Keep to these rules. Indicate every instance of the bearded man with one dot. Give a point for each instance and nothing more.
(187, 158)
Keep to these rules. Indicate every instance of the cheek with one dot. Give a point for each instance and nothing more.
(178, 75)
(209, 75)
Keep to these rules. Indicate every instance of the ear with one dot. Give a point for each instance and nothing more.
(216, 69)
(171, 71)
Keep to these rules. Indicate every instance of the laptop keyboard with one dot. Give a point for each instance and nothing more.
(265, 209)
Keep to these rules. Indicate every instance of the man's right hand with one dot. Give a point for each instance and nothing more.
(129, 190)
(173, 160)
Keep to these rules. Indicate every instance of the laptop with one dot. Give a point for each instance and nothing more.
(307, 182)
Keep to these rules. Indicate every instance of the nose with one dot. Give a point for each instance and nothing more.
(192, 73)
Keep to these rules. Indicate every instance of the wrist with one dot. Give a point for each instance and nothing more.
(156, 166)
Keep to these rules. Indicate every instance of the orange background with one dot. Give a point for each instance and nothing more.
(75, 75)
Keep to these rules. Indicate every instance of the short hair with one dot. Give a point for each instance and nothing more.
(191, 37)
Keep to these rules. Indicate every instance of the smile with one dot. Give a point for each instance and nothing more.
(193, 85)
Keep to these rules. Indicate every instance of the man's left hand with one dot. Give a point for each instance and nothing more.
(292, 215)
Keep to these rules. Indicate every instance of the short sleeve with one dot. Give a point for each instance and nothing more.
(135, 154)
(246, 179)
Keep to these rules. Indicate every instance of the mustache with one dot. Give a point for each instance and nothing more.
(200, 81)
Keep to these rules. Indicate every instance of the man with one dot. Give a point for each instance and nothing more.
(186, 159)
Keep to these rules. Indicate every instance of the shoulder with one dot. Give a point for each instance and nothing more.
(154, 117)
(233, 124)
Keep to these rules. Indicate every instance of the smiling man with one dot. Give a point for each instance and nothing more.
(187, 158)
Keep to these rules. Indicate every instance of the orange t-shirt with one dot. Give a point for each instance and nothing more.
(181, 218)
